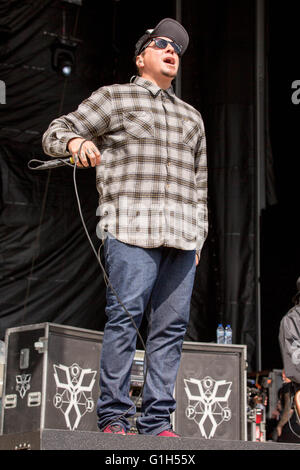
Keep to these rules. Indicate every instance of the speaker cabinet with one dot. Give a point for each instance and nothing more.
(211, 392)
(51, 378)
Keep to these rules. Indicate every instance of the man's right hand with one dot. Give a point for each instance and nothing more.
(89, 154)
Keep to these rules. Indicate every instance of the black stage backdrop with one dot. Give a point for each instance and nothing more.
(218, 79)
(280, 241)
(48, 270)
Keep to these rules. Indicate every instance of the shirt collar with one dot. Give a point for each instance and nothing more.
(154, 89)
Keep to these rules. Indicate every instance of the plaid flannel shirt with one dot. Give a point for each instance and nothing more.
(152, 179)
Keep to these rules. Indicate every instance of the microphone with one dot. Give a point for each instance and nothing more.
(49, 164)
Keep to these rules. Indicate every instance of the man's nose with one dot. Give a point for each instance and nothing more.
(170, 48)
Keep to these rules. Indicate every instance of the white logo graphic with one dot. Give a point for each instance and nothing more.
(208, 403)
(23, 384)
(73, 392)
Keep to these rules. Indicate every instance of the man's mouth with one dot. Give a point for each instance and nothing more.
(169, 60)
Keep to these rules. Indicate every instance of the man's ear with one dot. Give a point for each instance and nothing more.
(139, 61)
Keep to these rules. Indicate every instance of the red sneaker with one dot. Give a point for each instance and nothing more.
(168, 433)
(114, 429)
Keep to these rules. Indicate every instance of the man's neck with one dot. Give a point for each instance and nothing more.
(162, 82)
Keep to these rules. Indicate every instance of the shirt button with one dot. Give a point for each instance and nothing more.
(169, 163)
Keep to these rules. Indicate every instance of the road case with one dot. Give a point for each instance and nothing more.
(211, 392)
(51, 378)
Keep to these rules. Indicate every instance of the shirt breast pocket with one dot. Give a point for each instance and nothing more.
(190, 132)
(138, 124)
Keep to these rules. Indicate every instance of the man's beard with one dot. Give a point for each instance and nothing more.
(169, 74)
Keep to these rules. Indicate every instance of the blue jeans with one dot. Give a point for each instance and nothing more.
(166, 276)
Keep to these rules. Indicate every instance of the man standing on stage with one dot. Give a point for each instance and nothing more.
(149, 150)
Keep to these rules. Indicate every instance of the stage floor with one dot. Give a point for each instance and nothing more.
(54, 439)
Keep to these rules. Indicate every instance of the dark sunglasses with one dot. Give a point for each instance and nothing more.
(162, 44)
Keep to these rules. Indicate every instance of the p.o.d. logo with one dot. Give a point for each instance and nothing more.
(208, 404)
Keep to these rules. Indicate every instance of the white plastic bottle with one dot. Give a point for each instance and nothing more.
(228, 335)
(220, 334)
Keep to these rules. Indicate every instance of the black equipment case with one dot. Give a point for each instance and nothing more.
(51, 378)
(211, 392)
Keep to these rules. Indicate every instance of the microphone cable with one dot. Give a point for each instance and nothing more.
(108, 283)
